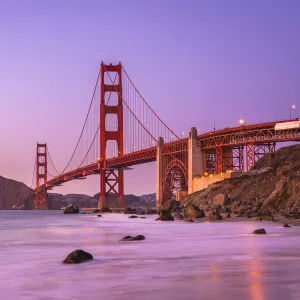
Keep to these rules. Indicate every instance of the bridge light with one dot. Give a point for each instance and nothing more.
(292, 107)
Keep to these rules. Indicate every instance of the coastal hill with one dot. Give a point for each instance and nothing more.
(273, 186)
(13, 192)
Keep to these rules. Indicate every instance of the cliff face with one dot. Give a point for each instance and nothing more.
(12, 192)
(273, 185)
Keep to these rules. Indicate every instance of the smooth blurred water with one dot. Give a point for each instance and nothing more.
(177, 260)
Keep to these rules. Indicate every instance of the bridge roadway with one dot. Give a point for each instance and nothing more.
(229, 137)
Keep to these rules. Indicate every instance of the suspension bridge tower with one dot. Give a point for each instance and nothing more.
(111, 179)
(41, 201)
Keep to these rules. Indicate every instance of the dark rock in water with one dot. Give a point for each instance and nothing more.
(287, 225)
(214, 217)
(142, 217)
(105, 209)
(132, 238)
(129, 211)
(165, 215)
(77, 257)
(259, 231)
(178, 216)
(193, 212)
(71, 209)
(96, 211)
(189, 220)
(132, 217)
(158, 219)
(99, 216)
(228, 216)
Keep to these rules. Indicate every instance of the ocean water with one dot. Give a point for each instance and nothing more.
(177, 260)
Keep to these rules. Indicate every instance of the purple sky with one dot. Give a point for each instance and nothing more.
(194, 61)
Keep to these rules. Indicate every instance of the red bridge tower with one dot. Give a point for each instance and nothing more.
(41, 176)
(111, 179)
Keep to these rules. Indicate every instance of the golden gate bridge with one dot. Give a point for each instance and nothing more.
(122, 130)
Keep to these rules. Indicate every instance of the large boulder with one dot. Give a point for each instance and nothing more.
(132, 217)
(129, 238)
(174, 205)
(260, 231)
(71, 209)
(214, 216)
(178, 216)
(193, 212)
(219, 200)
(165, 215)
(77, 257)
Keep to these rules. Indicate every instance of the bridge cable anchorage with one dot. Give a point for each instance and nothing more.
(149, 105)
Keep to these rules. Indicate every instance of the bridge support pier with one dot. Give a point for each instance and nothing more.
(159, 173)
(196, 159)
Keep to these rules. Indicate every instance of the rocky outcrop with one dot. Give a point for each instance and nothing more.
(214, 217)
(192, 211)
(77, 257)
(71, 209)
(273, 186)
(129, 238)
(259, 231)
(165, 215)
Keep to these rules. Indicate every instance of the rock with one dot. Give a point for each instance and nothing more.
(165, 215)
(130, 211)
(77, 257)
(158, 219)
(178, 216)
(99, 216)
(287, 225)
(142, 217)
(214, 216)
(129, 238)
(96, 211)
(259, 231)
(219, 200)
(106, 209)
(84, 213)
(174, 205)
(132, 217)
(71, 209)
(193, 212)
(228, 216)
